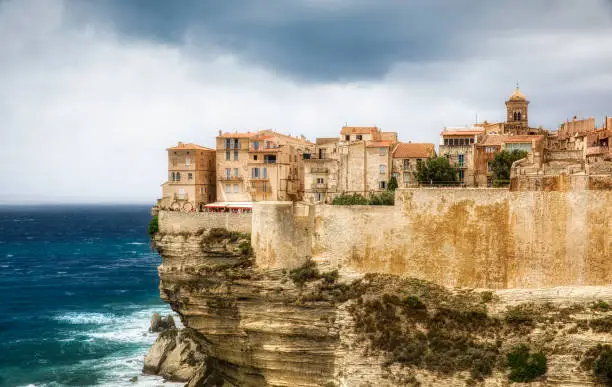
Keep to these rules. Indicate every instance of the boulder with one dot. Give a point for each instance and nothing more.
(159, 324)
(176, 355)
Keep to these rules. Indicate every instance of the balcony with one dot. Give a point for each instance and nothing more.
(230, 178)
(320, 186)
(181, 196)
(597, 150)
(319, 170)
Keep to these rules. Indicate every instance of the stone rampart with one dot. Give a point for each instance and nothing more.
(455, 237)
(192, 222)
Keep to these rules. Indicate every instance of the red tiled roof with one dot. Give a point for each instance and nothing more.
(358, 129)
(462, 132)
(189, 146)
(491, 139)
(378, 144)
(405, 150)
(238, 135)
(524, 138)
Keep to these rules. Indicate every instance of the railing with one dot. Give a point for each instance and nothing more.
(258, 179)
(319, 170)
(320, 185)
(230, 178)
(596, 150)
(179, 196)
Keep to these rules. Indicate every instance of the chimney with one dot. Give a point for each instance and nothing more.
(180, 144)
(220, 133)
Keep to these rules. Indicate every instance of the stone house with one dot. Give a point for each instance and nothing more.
(457, 145)
(321, 171)
(191, 178)
(406, 157)
(265, 165)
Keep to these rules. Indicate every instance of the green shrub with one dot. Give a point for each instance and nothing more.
(330, 277)
(602, 325)
(486, 297)
(386, 198)
(413, 302)
(519, 315)
(392, 184)
(245, 248)
(499, 183)
(305, 273)
(350, 200)
(154, 226)
(525, 366)
(603, 367)
(601, 306)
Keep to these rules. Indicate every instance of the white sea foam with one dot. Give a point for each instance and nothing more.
(85, 318)
(9, 255)
(136, 243)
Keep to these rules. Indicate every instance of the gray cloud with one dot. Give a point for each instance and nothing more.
(92, 93)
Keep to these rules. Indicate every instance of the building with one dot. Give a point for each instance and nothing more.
(191, 178)
(258, 166)
(406, 157)
(457, 145)
(322, 171)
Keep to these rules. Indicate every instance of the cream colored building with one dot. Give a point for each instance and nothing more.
(191, 178)
(258, 166)
(406, 157)
(457, 145)
(359, 161)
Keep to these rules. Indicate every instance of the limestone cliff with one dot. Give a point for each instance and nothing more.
(317, 326)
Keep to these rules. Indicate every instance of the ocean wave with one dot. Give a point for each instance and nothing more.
(80, 318)
(136, 243)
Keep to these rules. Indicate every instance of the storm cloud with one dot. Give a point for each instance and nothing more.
(92, 92)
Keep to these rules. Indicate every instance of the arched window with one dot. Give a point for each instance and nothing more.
(518, 115)
(514, 116)
(173, 176)
(178, 176)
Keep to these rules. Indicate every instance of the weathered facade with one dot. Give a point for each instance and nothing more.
(406, 157)
(191, 178)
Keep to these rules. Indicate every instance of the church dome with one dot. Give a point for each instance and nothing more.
(517, 96)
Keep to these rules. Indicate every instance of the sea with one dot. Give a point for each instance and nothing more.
(78, 286)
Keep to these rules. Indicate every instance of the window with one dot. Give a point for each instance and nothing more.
(382, 151)
(188, 160)
(227, 155)
(406, 177)
(227, 188)
(255, 173)
(226, 143)
(471, 140)
(236, 190)
(173, 176)
(265, 173)
(383, 185)
(461, 160)
(270, 159)
(347, 137)
(319, 196)
(490, 166)
(382, 168)
(201, 190)
(178, 176)
(235, 171)
(255, 157)
(461, 176)
(236, 143)
(320, 180)
(227, 172)
(359, 137)
(406, 164)
(255, 145)
(190, 176)
(235, 155)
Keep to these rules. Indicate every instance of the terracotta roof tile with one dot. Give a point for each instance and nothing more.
(378, 144)
(462, 132)
(189, 146)
(405, 150)
(238, 135)
(358, 129)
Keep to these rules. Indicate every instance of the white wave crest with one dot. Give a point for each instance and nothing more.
(79, 318)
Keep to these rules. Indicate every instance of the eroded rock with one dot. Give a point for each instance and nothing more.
(176, 355)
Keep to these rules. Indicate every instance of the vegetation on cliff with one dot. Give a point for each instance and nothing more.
(386, 198)
(524, 365)
(598, 360)
(153, 226)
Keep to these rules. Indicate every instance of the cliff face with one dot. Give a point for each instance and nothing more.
(315, 327)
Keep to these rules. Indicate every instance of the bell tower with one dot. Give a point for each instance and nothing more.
(517, 113)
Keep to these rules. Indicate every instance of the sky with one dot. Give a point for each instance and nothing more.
(93, 92)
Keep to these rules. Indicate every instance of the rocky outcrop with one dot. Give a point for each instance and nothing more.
(177, 355)
(159, 324)
(316, 326)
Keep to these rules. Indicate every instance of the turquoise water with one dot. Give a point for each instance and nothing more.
(78, 285)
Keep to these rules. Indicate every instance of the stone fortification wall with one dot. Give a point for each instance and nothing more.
(173, 222)
(454, 237)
